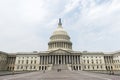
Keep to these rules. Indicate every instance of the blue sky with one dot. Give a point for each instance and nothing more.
(26, 25)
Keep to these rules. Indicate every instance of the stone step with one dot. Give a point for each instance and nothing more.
(62, 67)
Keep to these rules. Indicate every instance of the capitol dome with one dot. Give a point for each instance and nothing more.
(60, 30)
(60, 39)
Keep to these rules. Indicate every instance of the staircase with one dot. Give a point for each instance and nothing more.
(60, 66)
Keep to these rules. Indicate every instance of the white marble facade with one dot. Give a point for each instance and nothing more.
(60, 56)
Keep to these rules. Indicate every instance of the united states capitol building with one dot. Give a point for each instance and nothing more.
(60, 56)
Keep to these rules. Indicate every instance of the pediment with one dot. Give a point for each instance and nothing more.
(59, 51)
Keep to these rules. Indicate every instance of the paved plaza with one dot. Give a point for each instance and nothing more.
(62, 75)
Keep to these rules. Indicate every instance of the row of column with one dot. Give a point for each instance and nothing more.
(60, 44)
(108, 59)
(60, 59)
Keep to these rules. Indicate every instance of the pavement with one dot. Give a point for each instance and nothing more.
(4, 73)
(62, 75)
(116, 73)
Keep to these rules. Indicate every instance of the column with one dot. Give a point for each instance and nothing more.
(61, 60)
(58, 59)
(55, 59)
(62, 44)
(74, 59)
(59, 44)
(52, 59)
(70, 59)
(42, 60)
(65, 45)
(47, 59)
(77, 60)
(66, 59)
(55, 44)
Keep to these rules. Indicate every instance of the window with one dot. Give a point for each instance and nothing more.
(92, 61)
(26, 61)
(88, 67)
(97, 67)
(34, 67)
(26, 67)
(31, 61)
(35, 61)
(93, 67)
(87, 61)
(21, 67)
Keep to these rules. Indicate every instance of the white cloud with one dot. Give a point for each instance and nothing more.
(26, 25)
(98, 27)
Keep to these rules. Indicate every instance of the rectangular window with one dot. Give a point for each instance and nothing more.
(35, 61)
(34, 67)
(31, 61)
(26, 61)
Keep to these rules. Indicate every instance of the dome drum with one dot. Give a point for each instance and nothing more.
(60, 37)
(60, 45)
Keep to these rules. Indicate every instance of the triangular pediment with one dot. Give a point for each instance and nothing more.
(60, 51)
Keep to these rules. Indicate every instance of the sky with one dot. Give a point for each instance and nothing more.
(26, 25)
